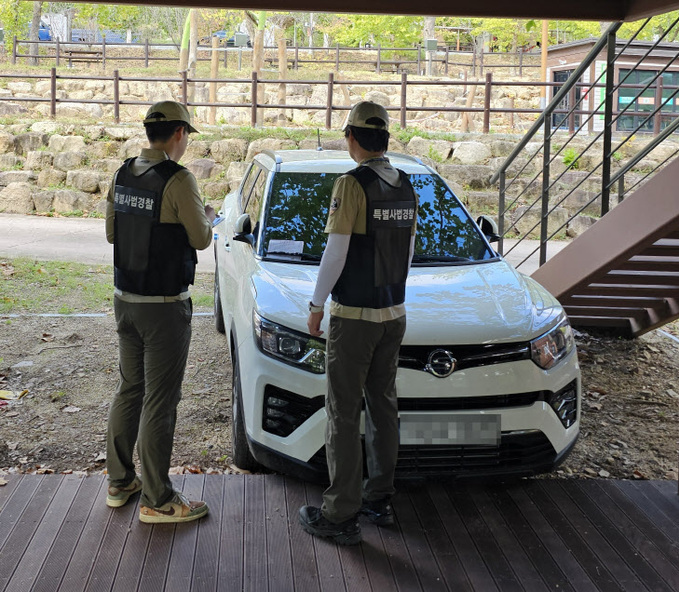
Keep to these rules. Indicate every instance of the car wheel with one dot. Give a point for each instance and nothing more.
(218, 313)
(240, 451)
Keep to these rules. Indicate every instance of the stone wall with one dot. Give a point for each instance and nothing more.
(51, 167)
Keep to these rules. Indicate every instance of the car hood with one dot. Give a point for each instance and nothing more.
(481, 303)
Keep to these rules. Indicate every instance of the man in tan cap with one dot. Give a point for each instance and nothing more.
(371, 234)
(155, 220)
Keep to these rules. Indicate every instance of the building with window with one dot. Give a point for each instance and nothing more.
(646, 80)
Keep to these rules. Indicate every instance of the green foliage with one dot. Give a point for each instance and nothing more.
(388, 30)
(569, 155)
(15, 18)
(108, 16)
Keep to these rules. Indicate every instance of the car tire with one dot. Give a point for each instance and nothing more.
(240, 450)
(217, 306)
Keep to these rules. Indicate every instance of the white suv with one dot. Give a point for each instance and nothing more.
(488, 381)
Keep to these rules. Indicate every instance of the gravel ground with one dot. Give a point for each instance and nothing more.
(68, 368)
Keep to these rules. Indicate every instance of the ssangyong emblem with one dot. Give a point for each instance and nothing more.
(441, 363)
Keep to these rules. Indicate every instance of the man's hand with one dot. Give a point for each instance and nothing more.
(210, 213)
(314, 323)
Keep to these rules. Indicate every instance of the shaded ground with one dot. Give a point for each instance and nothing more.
(68, 366)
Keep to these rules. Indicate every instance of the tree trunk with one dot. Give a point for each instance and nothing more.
(282, 72)
(35, 35)
(429, 22)
(193, 42)
(467, 121)
(258, 45)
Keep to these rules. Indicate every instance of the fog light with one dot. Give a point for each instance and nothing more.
(565, 404)
(285, 411)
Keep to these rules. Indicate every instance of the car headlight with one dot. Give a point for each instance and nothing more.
(289, 346)
(548, 349)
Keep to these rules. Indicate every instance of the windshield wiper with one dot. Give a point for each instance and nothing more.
(302, 256)
(439, 258)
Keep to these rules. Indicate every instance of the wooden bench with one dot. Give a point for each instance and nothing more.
(83, 55)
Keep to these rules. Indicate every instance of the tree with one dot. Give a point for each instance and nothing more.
(35, 33)
(15, 17)
(389, 30)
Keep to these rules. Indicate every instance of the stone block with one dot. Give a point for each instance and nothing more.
(17, 198)
(59, 143)
(68, 161)
(226, 151)
(471, 153)
(39, 159)
(473, 176)
(51, 178)
(201, 167)
(68, 200)
(9, 177)
(526, 221)
(6, 142)
(27, 142)
(579, 224)
(42, 200)
(87, 181)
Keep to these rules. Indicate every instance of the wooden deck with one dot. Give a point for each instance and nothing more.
(56, 533)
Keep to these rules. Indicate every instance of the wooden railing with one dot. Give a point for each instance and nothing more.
(413, 60)
(255, 83)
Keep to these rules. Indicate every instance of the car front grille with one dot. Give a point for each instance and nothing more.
(516, 454)
(467, 403)
(416, 357)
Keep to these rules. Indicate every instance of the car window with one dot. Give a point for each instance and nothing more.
(444, 228)
(248, 184)
(298, 209)
(297, 213)
(254, 203)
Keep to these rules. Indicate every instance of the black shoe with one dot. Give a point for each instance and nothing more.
(378, 512)
(343, 533)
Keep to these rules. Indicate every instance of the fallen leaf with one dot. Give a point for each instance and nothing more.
(238, 470)
(47, 337)
(3, 482)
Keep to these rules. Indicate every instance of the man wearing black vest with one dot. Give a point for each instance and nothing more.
(155, 220)
(371, 236)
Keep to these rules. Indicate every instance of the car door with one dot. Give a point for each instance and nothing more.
(239, 260)
(232, 208)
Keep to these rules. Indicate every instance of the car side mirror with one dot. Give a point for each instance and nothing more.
(489, 228)
(243, 230)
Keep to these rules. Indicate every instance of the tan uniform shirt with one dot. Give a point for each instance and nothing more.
(181, 204)
(348, 216)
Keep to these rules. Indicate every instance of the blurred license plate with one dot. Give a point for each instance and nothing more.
(449, 428)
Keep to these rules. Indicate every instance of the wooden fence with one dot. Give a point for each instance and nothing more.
(331, 106)
(393, 59)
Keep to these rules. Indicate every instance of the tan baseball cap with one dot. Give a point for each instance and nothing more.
(169, 111)
(365, 111)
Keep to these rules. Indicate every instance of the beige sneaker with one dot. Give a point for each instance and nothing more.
(118, 496)
(178, 509)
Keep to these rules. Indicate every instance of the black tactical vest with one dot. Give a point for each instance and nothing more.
(374, 275)
(150, 258)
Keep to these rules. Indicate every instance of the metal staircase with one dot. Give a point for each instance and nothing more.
(621, 274)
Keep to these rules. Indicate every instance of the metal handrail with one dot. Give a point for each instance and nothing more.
(560, 94)
(605, 107)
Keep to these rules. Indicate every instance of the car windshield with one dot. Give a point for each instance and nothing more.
(298, 209)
